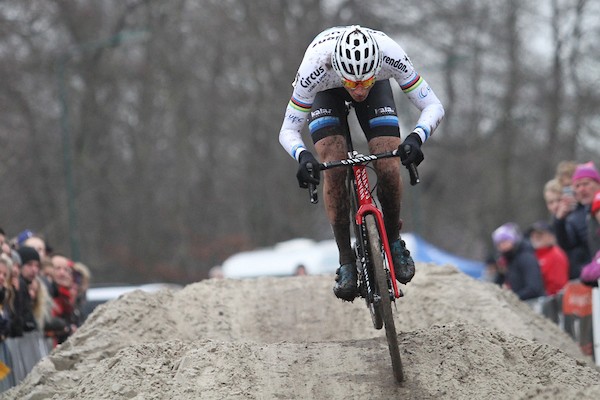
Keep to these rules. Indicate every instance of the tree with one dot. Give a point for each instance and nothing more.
(174, 110)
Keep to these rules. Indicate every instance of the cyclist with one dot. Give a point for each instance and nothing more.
(352, 65)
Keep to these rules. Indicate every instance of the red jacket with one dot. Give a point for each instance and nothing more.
(63, 304)
(554, 265)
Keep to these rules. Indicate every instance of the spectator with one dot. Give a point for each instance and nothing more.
(591, 272)
(63, 323)
(5, 294)
(4, 245)
(38, 244)
(594, 224)
(42, 303)
(81, 283)
(523, 275)
(46, 272)
(22, 319)
(564, 173)
(552, 194)
(300, 270)
(553, 261)
(16, 264)
(19, 241)
(494, 271)
(570, 225)
(564, 176)
(216, 272)
(12, 296)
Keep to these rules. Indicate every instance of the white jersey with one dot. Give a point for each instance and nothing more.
(316, 74)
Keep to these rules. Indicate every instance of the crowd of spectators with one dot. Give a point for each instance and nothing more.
(554, 263)
(40, 289)
(542, 259)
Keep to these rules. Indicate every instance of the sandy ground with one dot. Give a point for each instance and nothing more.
(289, 338)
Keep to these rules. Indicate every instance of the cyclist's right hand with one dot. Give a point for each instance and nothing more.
(304, 175)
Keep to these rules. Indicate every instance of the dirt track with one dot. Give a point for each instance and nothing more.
(289, 338)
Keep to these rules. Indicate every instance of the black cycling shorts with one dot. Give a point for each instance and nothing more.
(376, 114)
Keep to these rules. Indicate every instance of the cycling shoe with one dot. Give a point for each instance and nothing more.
(404, 266)
(346, 285)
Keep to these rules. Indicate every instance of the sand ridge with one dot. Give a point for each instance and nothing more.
(289, 338)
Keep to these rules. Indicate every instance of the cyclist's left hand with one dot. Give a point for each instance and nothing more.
(410, 150)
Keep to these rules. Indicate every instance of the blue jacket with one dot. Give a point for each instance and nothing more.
(523, 274)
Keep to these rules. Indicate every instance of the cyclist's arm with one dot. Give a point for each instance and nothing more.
(397, 64)
(290, 136)
(423, 97)
(313, 77)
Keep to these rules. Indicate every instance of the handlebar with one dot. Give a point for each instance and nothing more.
(360, 159)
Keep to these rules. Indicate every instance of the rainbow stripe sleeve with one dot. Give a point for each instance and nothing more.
(412, 84)
(299, 105)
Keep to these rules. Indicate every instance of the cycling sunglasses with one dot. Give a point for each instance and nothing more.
(367, 83)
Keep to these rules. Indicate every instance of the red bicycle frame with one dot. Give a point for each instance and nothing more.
(366, 205)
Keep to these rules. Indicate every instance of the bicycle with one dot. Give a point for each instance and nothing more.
(376, 276)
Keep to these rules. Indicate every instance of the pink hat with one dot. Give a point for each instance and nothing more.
(587, 170)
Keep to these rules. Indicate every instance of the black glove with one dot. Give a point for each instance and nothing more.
(304, 175)
(410, 150)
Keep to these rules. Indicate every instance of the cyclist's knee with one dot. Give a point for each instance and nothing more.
(390, 181)
(381, 144)
(331, 148)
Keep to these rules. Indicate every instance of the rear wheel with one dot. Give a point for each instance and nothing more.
(383, 289)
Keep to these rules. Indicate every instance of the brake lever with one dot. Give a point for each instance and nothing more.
(412, 167)
(312, 188)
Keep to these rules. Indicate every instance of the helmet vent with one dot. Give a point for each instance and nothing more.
(356, 56)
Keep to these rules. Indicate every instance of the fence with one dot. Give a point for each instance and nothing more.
(576, 309)
(20, 355)
(596, 321)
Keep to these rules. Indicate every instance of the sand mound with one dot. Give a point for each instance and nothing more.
(290, 338)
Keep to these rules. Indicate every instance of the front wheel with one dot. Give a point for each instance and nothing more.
(383, 288)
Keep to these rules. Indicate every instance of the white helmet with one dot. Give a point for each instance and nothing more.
(356, 56)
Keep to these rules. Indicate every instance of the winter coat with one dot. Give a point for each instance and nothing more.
(4, 315)
(59, 326)
(572, 236)
(523, 274)
(554, 265)
(22, 318)
(593, 234)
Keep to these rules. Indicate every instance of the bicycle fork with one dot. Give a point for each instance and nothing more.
(366, 205)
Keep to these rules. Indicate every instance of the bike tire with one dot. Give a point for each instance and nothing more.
(375, 308)
(367, 280)
(381, 279)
